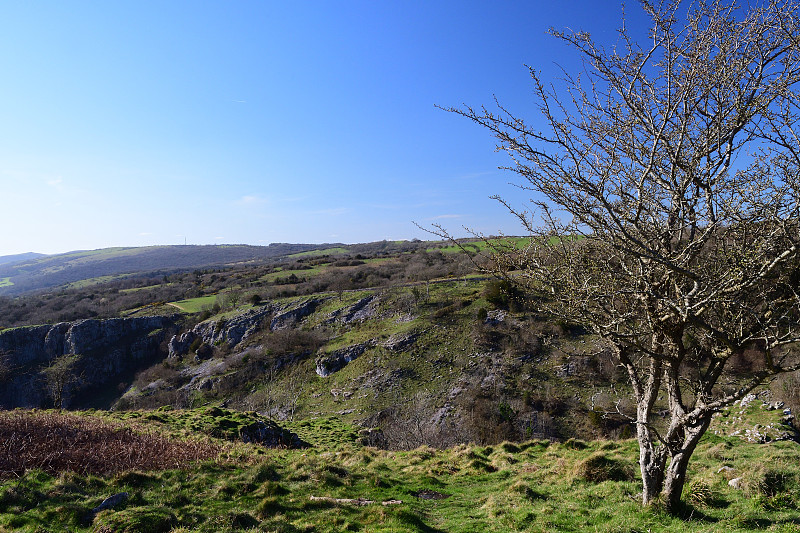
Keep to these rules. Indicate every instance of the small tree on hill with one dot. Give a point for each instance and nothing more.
(59, 376)
(676, 166)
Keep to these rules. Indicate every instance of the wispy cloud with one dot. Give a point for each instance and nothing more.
(146, 233)
(56, 183)
(252, 199)
(440, 217)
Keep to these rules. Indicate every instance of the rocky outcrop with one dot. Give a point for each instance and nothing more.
(400, 342)
(179, 345)
(235, 330)
(226, 330)
(360, 311)
(337, 360)
(109, 348)
(269, 434)
(287, 319)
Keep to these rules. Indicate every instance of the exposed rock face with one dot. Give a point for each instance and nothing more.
(109, 348)
(291, 317)
(400, 342)
(360, 311)
(179, 344)
(214, 332)
(337, 360)
(239, 328)
(575, 365)
(233, 330)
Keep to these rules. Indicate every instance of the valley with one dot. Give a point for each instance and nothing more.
(404, 362)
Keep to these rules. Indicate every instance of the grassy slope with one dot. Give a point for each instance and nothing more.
(533, 486)
(325, 251)
(96, 266)
(195, 305)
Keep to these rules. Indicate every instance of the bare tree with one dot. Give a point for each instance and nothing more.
(668, 210)
(59, 376)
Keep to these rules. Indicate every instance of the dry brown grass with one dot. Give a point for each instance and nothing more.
(58, 442)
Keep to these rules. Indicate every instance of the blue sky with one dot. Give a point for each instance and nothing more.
(143, 123)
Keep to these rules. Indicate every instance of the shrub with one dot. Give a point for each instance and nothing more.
(504, 295)
(195, 345)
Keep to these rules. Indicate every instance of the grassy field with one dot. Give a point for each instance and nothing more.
(326, 251)
(339, 485)
(6, 282)
(300, 273)
(146, 288)
(195, 305)
(478, 245)
(92, 281)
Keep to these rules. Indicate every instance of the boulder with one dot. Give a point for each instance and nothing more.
(271, 435)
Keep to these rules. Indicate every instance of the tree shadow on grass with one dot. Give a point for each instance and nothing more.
(413, 520)
(689, 512)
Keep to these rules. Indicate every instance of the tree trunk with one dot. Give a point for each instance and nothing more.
(651, 464)
(652, 457)
(675, 474)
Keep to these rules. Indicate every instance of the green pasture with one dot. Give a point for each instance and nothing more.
(300, 273)
(195, 305)
(480, 245)
(315, 253)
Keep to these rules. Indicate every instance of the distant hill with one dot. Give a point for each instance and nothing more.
(8, 259)
(30, 272)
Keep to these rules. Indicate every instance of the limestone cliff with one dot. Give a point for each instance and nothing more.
(110, 349)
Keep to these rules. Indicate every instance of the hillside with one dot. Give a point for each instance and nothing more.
(98, 290)
(384, 335)
(411, 375)
(34, 272)
(8, 259)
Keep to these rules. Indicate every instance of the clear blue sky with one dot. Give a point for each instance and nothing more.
(138, 123)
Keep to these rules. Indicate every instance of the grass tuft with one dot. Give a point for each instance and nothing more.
(600, 467)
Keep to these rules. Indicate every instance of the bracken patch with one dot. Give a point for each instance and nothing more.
(60, 442)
